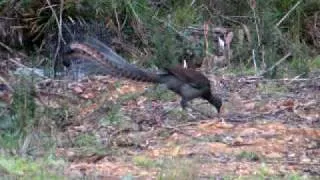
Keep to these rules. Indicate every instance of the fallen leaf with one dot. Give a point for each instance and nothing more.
(88, 95)
(288, 104)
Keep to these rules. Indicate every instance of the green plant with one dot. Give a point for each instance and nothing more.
(161, 93)
(24, 107)
(16, 167)
(21, 119)
(243, 70)
(272, 88)
(117, 84)
(178, 113)
(10, 140)
(296, 176)
(85, 140)
(263, 171)
(114, 116)
(128, 97)
(289, 176)
(3, 3)
(167, 48)
(177, 169)
(315, 63)
(144, 161)
(185, 15)
(250, 156)
(88, 144)
(299, 67)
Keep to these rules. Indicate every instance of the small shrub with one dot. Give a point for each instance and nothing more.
(250, 156)
(16, 168)
(161, 93)
(314, 64)
(167, 48)
(185, 15)
(178, 169)
(22, 117)
(114, 116)
(264, 171)
(177, 113)
(299, 67)
(144, 161)
(88, 144)
(128, 97)
(85, 140)
(24, 107)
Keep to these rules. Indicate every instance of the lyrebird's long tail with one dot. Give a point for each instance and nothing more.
(93, 49)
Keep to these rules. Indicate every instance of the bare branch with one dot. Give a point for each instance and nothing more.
(288, 13)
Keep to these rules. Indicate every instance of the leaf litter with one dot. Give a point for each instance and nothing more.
(267, 127)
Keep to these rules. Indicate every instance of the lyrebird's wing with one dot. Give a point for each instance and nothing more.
(194, 78)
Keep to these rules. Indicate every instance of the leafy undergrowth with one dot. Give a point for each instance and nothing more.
(17, 167)
(124, 129)
(269, 128)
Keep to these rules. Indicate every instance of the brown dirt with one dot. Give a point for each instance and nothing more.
(268, 128)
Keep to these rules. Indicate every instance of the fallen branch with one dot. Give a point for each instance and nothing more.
(6, 47)
(181, 131)
(17, 63)
(10, 50)
(288, 13)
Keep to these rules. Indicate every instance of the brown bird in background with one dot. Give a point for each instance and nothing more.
(188, 83)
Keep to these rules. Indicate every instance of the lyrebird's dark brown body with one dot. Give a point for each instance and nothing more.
(188, 83)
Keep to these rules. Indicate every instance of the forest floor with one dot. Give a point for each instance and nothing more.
(125, 129)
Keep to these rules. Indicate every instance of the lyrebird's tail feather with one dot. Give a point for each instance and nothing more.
(112, 56)
(95, 50)
(104, 49)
